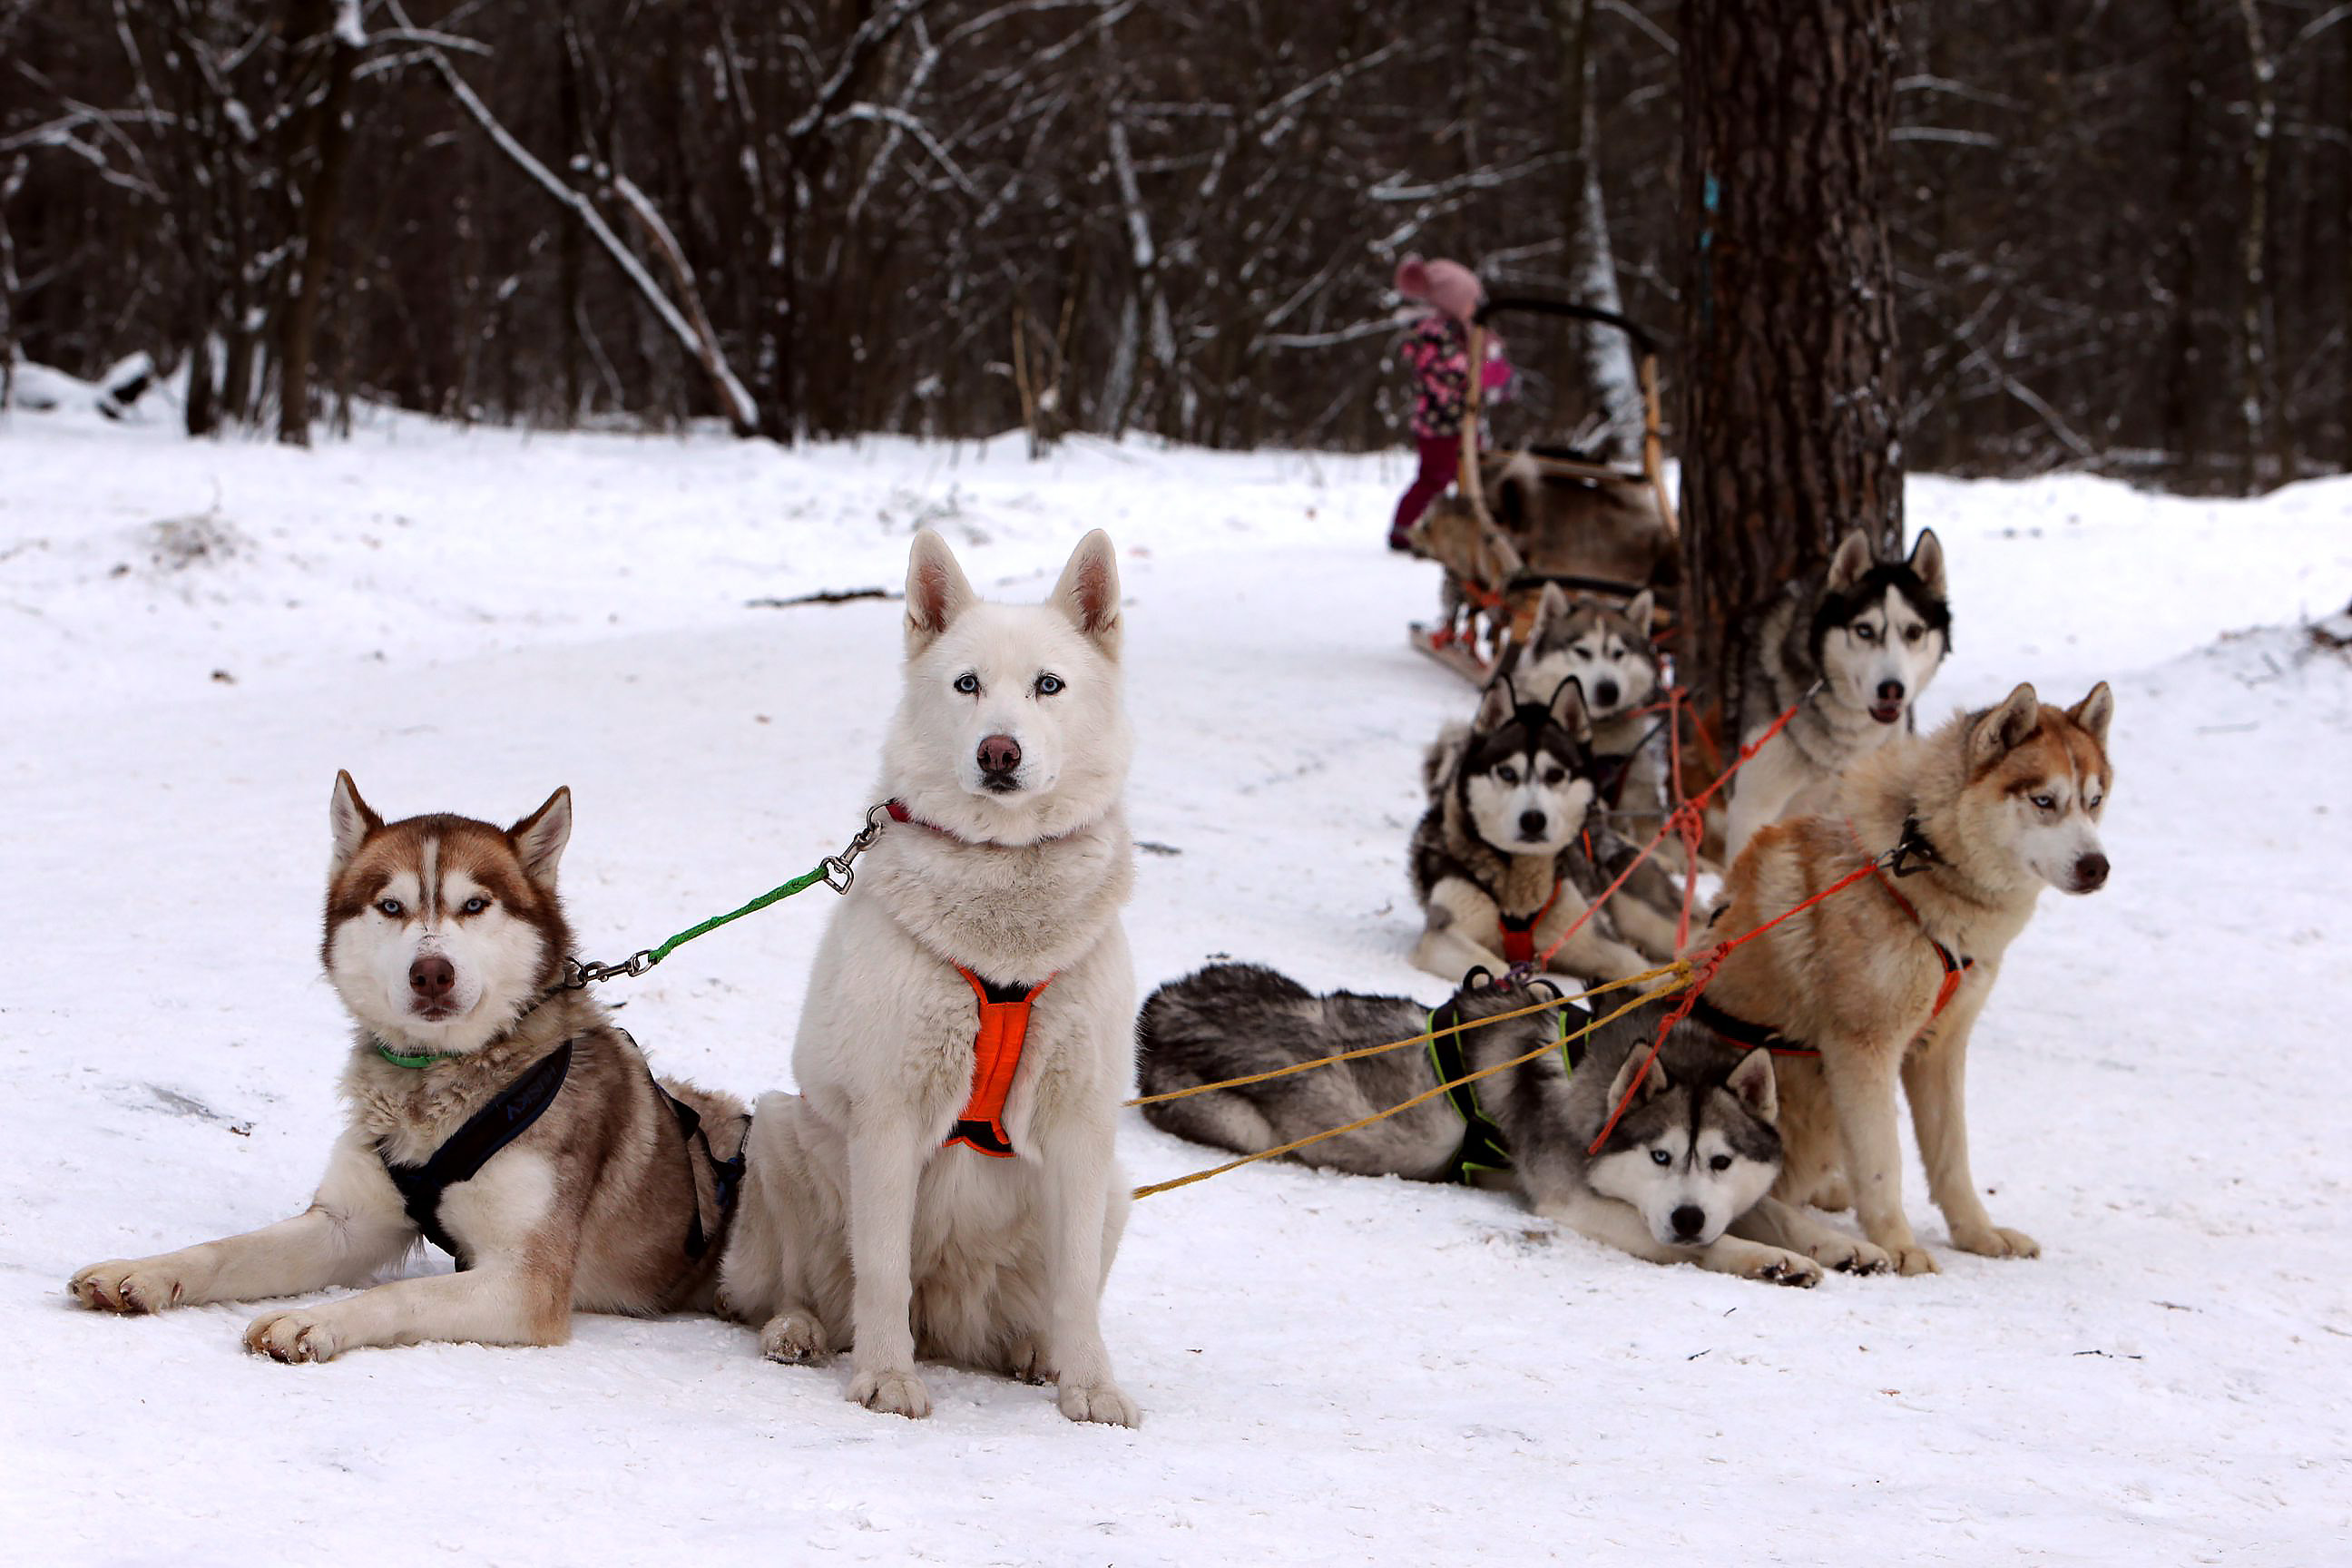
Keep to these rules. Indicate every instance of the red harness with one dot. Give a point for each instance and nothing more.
(1954, 969)
(1519, 934)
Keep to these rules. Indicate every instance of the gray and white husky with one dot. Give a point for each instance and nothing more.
(1851, 650)
(1511, 851)
(1682, 1177)
(932, 1190)
(1607, 649)
(506, 1118)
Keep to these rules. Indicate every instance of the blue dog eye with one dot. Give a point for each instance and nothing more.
(391, 907)
(968, 683)
(1048, 684)
(1661, 1157)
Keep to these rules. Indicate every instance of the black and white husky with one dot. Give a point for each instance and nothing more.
(1851, 651)
(1607, 649)
(1511, 851)
(1682, 1177)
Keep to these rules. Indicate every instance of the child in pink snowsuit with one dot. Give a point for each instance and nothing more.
(1438, 353)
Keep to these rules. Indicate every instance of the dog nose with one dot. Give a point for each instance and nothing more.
(433, 977)
(1689, 1220)
(1605, 694)
(999, 754)
(1531, 824)
(1890, 691)
(2091, 872)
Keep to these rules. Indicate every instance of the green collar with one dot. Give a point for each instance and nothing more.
(397, 1060)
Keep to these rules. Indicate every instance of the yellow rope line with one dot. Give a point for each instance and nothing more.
(1681, 971)
(1675, 968)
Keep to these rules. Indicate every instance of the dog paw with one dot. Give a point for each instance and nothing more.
(1025, 1362)
(292, 1337)
(1913, 1258)
(1851, 1256)
(794, 1338)
(1995, 1241)
(1780, 1268)
(892, 1393)
(1100, 1401)
(121, 1286)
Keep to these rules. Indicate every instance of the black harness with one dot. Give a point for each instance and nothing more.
(508, 1116)
(1482, 1147)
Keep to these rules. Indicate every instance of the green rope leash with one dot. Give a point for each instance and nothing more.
(834, 872)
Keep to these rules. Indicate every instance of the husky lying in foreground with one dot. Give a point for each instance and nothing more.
(508, 1122)
(1888, 977)
(977, 963)
(1681, 1179)
(1850, 652)
(1510, 853)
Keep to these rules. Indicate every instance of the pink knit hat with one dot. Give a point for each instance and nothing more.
(1452, 288)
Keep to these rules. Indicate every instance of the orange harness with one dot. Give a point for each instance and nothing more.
(996, 1058)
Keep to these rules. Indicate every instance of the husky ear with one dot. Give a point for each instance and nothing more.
(1641, 611)
(936, 590)
(1927, 561)
(348, 822)
(1553, 607)
(1089, 591)
(540, 838)
(2094, 711)
(1495, 707)
(1851, 565)
(2004, 729)
(1567, 706)
(1753, 1081)
(1652, 1086)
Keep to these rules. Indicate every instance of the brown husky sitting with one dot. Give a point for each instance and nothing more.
(505, 1120)
(1887, 977)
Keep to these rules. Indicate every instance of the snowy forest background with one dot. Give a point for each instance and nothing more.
(2122, 231)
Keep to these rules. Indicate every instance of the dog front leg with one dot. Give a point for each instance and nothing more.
(353, 1227)
(886, 1166)
(1445, 952)
(1777, 1224)
(1861, 1089)
(1935, 1080)
(1077, 1171)
(504, 1302)
(1616, 1224)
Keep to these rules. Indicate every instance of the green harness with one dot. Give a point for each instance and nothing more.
(1483, 1145)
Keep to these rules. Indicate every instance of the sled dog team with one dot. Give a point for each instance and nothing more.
(944, 1186)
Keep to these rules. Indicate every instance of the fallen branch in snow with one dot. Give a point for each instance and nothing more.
(823, 597)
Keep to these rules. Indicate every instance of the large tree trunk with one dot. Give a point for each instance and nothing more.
(2253, 304)
(1790, 431)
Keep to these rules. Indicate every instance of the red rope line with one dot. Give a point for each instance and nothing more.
(1686, 818)
(1700, 978)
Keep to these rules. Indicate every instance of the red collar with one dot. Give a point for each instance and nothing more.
(898, 813)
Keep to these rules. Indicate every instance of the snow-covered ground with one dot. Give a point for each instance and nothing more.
(1337, 1370)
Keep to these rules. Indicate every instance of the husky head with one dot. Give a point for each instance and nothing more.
(1881, 627)
(441, 931)
(2038, 780)
(1012, 727)
(1692, 1157)
(1606, 649)
(1525, 775)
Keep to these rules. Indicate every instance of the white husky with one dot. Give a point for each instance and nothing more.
(931, 1190)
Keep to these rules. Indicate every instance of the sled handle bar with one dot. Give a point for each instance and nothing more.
(1644, 339)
